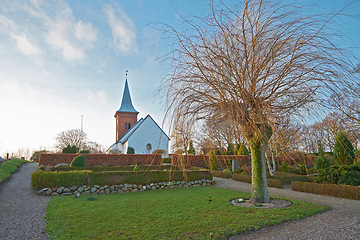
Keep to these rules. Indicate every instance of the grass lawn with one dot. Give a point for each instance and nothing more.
(9, 167)
(163, 214)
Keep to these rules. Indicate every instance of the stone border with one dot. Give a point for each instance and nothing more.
(122, 188)
(274, 203)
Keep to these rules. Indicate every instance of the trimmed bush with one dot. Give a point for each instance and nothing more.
(246, 178)
(220, 174)
(9, 167)
(41, 179)
(130, 150)
(228, 172)
(69, 149)
(78, 161)
(342, 191)
(113, 178)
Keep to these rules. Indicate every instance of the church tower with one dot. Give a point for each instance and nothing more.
(126, 116)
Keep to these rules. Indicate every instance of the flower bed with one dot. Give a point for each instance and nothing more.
(342, 191)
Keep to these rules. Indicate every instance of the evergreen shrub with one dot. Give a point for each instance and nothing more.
(344, 151)
(242, 149)
(78, 161)
(228, 173)
(284, 167)
(340, 174)
(213, 160)
(130, 150)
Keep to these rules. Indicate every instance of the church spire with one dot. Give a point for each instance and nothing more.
(126, 103)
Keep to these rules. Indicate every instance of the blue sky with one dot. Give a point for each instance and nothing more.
(63, 59)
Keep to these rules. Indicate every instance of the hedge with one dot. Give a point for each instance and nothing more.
(247, 178)
(9, 167)
(113, 169)
(41, 179)
(342, 191)
(219, 174)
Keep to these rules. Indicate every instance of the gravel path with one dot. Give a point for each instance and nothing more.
(341, 222)
(22, 211)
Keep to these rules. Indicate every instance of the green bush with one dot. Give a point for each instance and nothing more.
(344, 151)
(69, 149)
(85, 151)
(322, 162)
(220, 174)
(9, 167)
(274, 183)
(78, 161)
(213, 160)
(302, 170)
(166, 160)
(228, 172)
(241, 149)
(136, 168)
(41, 179)
(130, 150)
(230, 149)
(284, 167)
(343, 174)
(342, 191)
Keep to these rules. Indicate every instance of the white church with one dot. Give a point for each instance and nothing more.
(144, 136)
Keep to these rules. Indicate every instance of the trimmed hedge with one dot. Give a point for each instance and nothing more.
(41, 179)
(247, 178)
(113, 169)
(9, 167)
(341, 191)
(219, 174)
(114, 178)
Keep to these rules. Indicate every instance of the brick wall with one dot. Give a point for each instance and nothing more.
(102, 159)
(203, 160)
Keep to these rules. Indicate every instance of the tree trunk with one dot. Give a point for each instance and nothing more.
(260, 192)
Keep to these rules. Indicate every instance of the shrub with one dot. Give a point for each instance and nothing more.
(213, 160)
(242, 149)
(322, 162)
(348, 175)
(284, 167)
(130, 150)
(78, 161)
(344, 151)
(41, 179)
(191, 150)
(136, 168)
(350, 192)
(274, 183)
(302, 170)
(69, 149)
(230, 149)
(220, 174)
(166, 160)
(246, 178)
(228, 173)
(85, 151)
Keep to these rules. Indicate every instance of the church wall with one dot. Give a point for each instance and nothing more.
(121, 119)
(148, 133)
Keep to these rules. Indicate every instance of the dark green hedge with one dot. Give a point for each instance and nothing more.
(342, 191)
(113, 178)
(41, 179)
(247, 178)
(220, 174)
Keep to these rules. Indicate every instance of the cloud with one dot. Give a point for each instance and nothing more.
(98, 97)
(69, 36)
(7, 26)
(122, 27)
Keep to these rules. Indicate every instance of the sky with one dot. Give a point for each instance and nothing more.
(63, 59)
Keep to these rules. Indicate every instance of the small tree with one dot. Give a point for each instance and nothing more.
(321, 161)
(242, 149)
(213, 160)
(191, 150)
(69, 149)
(344, 151)
(130, 150)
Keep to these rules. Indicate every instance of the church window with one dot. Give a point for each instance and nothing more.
(148, 147)
(126, 125)
(129, 125)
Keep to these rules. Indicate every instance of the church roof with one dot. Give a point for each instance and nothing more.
(126, 103)
(127, 135)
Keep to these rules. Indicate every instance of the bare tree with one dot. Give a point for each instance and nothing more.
(73, 137)
(254, 64)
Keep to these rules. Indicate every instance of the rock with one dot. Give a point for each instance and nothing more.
(128, 185)
(41, 192)
(86, 192)
(80, 189)
(113, 192)
(66, 190)
(107, 191)
(112, 188)
(144, 187)
(54, 189)
(116, 186)
(106, 186)
(134, 190)
(74, 188)
(101, 188)
(102, 192)
(121, 185)
(96, 186)
(55, 194)
(140, 186)
(93, 189)
(66, 194)
(153, 188)
(62, 165)
(134, 186)
(87, 188)
(48, 192)
(60, 190)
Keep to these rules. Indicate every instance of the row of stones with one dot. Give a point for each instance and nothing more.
(122, 188)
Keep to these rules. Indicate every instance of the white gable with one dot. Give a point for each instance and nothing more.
(145, 133)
